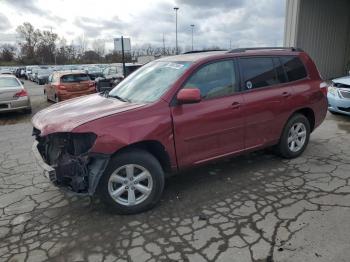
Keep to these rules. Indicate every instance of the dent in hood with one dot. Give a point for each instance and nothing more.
(345, 80)
(67, 115)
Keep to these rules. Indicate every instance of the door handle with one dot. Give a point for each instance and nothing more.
(235, 105)
(286, 94)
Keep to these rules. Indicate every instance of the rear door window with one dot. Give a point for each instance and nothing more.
(74, 78)
(258, 72)
(294, 68)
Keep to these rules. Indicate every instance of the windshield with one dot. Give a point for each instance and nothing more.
(9, 82)
(150, 82)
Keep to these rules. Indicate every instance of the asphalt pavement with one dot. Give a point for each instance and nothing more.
(256, 207)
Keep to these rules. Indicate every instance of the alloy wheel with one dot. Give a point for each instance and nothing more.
(296, 137)
(130, 185)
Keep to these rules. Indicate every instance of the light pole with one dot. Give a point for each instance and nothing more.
(192, 27)
(176, 49)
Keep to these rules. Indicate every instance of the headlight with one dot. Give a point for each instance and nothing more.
(332, 90)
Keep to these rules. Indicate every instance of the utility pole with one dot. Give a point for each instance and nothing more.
(176, 48)
(123, 57)
(192, 27)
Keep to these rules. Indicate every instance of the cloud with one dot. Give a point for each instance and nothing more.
(243, 22)
(97, 27)
(4, 23)
(25, 6)
(211, 4)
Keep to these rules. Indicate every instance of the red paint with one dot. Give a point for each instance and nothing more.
(192, 133)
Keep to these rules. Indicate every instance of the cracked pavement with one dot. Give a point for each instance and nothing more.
(256, 207)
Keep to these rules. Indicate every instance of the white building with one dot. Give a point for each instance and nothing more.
(322, 29)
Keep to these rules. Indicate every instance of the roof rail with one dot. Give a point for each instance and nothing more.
(202, 51)
(241, 50)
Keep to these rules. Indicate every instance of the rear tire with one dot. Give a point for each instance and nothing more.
(295, 137)
(132, 183)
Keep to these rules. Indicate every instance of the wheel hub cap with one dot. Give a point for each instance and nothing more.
(130, 184)
(296, 137)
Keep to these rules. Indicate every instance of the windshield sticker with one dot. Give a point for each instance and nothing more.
(174, 65)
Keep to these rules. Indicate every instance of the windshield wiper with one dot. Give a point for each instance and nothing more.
(118, 97)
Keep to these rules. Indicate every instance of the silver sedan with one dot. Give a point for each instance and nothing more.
(13, 96)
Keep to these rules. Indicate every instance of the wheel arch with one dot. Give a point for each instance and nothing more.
(154, 147)
(309, 114)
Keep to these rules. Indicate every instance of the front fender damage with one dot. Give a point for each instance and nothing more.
(68, 162)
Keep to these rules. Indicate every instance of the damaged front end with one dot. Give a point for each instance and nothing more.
(68, 162)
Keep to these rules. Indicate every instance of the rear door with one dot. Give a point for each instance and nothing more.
(214, 126)
(267, 99)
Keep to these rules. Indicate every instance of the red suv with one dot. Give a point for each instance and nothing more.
(179, 112)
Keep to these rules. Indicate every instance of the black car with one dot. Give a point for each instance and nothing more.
(20, 72)
(112, 75)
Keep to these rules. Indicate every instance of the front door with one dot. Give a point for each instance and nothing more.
(214, 126)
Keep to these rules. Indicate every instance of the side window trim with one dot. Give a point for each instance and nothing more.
(284, 70)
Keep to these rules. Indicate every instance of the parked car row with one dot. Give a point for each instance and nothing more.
(40, 74)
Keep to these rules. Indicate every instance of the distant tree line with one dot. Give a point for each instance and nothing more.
(45, 47)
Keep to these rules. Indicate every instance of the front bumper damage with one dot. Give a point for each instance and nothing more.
(66, 160)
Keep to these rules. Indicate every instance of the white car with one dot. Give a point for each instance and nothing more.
(339, 96)
(13, 95)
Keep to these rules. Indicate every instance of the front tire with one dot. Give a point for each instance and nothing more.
(295, 137)
(132, 183)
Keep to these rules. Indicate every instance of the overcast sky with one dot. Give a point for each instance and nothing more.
(244, 22)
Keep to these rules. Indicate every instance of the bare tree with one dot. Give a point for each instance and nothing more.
(99, 46)
(31, 38)
(81, 44)
(7, 52)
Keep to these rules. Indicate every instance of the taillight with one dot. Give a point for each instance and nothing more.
(61, 87)
(21, 93)
(92, 84)
(323, 87)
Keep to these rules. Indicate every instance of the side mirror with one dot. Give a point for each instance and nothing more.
(189, 95)
(22, 82)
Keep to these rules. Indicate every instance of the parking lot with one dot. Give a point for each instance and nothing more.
(256, 207)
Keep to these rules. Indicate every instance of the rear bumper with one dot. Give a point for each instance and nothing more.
(14, 105)
(67, 95)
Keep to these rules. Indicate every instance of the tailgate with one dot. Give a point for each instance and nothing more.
(78, 86)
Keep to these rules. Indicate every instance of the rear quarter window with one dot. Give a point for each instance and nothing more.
(74, 78)
(293, 67)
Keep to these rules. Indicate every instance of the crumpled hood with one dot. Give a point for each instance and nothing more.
(345, 80)
(65, 116)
